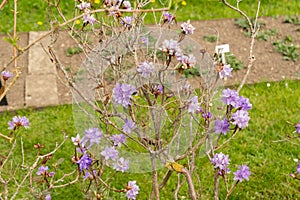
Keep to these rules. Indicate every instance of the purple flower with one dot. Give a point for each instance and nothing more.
(110, 153)
(87, 18)
(298, 168)
(118, 139)
(168, 17)
(18, 121)
(42, 170)
(121, 165)
(48, 197)
(146, 69)
(127, 5)
(83, 5)
(132, 189)
(6, 75)
(92, 135)
(170, 47)
(127, 21)
(221, 161)
(157, 89)
(206, 115)
(186, 61)
(242, 173)
(240, 118)
(222, 126)
(230, 97)
(76, 140)
(225, 72)
(297, 126)
(128, 125)
(144, 40)
(122, 94)
(194, 105)
(89, 175)
(51, 174)
(243, 103)
(85, 162)
(187, 28)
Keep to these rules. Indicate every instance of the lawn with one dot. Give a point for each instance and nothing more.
(261, 146)
(270, 160)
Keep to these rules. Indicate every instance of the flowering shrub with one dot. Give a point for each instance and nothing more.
(136, 112)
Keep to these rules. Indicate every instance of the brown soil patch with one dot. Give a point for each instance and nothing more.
(269, 65)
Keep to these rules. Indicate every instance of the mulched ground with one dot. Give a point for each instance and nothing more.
(268, 67)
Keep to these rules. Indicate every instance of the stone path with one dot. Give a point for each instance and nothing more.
(37, 85)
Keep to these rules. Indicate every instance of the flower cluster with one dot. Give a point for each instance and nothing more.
(168, 18)
(221, 126)
(132, 189)
(6, 75)
(187, 28)
(194, 105)
(87, 17)
(43, 170)
(122, 94)
(242, 173)
(221, 161)
(242, 104)
(187, 61)
(18, 121)
(127, 22)
(225, 71)
(128, 125)
(146, 69)
(170, 47)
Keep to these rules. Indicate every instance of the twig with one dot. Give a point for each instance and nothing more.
(2, 4)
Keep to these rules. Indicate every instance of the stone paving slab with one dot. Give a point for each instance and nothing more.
(41, 90)
(38, 60)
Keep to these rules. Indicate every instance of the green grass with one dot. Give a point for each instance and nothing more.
(271, 162)
(31, 12)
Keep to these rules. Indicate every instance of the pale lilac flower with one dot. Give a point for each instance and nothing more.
(242, 173)
(121, 165)
(157, 89)
(186, 88)
(187, 28)
(194, 105)
(225, 72)
(48, 197)
(128, 125)
(298, 168)
(18, 121)
(146, 69)
(127, 5)
(83, 5)
(187, 61)
(42, 170)
(221, 161)
(222, 126)
(110, 153)
(92, 135)
(230, 97)
(76, 140)
(132, 189)
(118, 139)
(122, 94)
(89, 175)
(168, 17)
(243, 103)
(241, 118)
(170, 47)
(127, 21)
(87, 18)
(144, 40)
(297, 126)
(51, 174)
(85, 162)
(6, 75)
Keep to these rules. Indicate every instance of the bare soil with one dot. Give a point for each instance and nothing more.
(268, 67)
